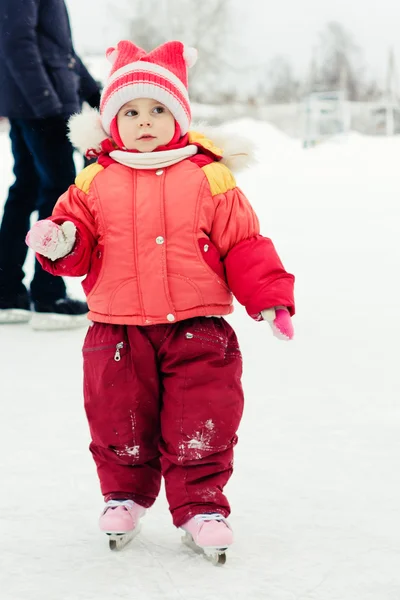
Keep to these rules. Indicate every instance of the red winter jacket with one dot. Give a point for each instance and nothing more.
(163, 245)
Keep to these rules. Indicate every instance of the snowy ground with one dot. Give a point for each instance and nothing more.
(316, 493)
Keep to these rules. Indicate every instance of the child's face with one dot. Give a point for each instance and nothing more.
(144, 124)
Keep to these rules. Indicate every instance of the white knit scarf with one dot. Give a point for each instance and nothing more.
(153, 160)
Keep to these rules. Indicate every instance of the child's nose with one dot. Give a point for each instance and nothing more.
(145, 123)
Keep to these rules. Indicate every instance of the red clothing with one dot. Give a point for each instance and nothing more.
(159, 246)
(171, 405)
(163, 245)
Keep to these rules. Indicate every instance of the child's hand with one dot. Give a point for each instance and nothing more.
(52, 240)
(280, 322)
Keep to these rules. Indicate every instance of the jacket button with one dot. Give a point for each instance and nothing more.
(159, 239)
(206, 248)
(159, 172)
(171, 317)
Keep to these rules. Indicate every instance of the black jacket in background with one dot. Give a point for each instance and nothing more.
(40, 74)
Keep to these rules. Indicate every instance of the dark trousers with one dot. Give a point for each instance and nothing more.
(43, 169)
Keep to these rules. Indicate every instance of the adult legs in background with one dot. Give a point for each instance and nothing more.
(44, 169)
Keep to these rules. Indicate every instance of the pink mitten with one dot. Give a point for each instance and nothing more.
(52, 240)
(280, 322)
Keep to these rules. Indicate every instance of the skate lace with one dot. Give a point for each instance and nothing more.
(114, 503)
(210, 517)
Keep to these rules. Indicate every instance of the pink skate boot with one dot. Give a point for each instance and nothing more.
(209, 534)
(120, 520)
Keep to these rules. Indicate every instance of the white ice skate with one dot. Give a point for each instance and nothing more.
(120, 520)
(14, 315)
(210, 535)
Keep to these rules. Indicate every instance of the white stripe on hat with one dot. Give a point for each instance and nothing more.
(142, 65)
(130, 91)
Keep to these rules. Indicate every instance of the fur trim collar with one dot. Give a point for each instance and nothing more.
(237, 152)
(86, 133)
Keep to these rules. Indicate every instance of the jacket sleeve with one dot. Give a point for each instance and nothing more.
(18, 22)
(72, 206)
(89, 89)
(254, 271)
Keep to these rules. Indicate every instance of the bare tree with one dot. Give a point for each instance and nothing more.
(281, 83)
(340, 61)
(371, 91)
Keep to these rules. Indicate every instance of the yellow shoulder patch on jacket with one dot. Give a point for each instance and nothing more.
(198, 138)
(219, 177)
(85, 177)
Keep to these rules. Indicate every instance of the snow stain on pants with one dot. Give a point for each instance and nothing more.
(164, 400)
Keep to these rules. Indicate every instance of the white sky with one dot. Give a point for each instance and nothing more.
(268, 27)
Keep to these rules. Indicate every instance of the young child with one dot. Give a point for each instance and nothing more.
(164, 238)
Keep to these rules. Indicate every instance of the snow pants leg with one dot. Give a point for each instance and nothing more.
(122, 403)
(172, 402)
(202, 406)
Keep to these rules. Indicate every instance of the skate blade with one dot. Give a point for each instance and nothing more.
(14, 315)
(117, 541)
(216, 555)
(53, 321)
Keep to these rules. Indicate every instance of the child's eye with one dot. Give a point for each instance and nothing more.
(158, 109)
(131, 113)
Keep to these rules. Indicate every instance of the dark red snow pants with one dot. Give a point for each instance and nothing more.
(164, 400)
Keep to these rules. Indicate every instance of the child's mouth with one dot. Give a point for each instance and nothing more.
(146, 137)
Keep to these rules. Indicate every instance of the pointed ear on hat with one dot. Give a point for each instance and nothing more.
(112, 54)
(190, 56)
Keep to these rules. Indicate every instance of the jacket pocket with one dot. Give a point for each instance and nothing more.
(124, 299)
(211, 258)
(94, 270)
(63, 77)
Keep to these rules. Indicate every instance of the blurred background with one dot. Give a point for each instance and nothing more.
(312, 68)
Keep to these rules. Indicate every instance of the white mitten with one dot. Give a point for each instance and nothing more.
(52, 240)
